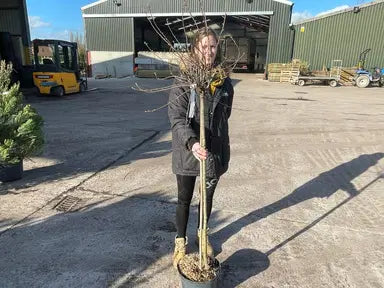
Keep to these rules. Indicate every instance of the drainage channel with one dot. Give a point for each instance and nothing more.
(67, 204)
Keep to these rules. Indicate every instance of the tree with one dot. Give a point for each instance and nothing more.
(81, 51)
(195, 74)
(21, 133)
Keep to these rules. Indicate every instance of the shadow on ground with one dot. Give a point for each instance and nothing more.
(97, 247)
(120, 244)
(323, 186)
(70, 171)
(87, 132)
(247, 263)
(242, 265)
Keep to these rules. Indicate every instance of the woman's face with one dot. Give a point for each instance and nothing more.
(207, 49)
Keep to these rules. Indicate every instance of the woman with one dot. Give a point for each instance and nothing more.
(185, 122)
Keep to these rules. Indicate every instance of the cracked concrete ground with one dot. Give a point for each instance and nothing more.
(301, 205)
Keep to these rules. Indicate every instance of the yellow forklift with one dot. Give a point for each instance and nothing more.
(56, 68)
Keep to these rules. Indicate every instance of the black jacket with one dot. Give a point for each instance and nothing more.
(183, 130)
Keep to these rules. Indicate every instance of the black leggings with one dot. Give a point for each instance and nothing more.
(185, 186)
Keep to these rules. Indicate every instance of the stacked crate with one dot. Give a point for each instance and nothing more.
(283, 72)
(274, 71)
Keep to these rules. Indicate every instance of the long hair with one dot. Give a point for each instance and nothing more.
(202, 33)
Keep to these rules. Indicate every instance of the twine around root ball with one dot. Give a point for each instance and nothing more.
(189, 267)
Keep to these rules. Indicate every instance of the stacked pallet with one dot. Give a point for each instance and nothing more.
(297, 66)
(274, 71)
(285, 76)
(156, 64)
(283, 72)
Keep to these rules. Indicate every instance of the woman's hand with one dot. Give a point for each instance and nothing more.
(199, 152)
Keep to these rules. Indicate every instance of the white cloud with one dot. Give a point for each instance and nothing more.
(338, 8)
(37, 22)
(45, 30)
(300, 16)
(51, 34)
(62, 35)
(297, 17)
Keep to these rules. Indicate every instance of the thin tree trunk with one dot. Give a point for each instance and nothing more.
(203, 193)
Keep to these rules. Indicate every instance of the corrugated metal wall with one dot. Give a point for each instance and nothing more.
(280, 36)
(13, 19)
(10, 21)
(109, 34)
(342, 36)
(174, 6)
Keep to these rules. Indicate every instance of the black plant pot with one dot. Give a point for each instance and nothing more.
(11, 172)
(186, 283)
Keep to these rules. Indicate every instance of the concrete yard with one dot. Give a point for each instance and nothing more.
(301, 205)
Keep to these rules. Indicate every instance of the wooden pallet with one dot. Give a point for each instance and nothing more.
(285, 76)
(283, 72)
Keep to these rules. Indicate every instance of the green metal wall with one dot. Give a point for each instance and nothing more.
(13, 19)
(343, 37)
(109, 34)
(280, 36)
(10, 21)
(177, 6)
(100, 36)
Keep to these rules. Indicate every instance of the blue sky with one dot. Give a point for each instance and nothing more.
(57, 18)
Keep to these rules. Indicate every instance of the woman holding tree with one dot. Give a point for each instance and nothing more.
(184, 115)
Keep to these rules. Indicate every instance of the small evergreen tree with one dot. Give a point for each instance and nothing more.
(21, 132)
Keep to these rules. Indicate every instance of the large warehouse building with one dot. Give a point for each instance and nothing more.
(117, 30)
(14, 32)
(342, 35)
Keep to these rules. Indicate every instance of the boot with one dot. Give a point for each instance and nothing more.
(210, 251)
(180, 250)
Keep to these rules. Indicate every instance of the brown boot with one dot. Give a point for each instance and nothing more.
(180, 250)
(210, 251)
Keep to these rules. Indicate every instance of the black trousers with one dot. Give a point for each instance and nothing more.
(185, 187)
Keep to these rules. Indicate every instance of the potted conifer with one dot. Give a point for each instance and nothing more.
(21, 132)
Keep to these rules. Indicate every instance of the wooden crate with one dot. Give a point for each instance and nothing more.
(283, 72)
(285, 76)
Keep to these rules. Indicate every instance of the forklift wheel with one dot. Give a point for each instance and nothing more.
(301, 82)
(58, 91)
(37, 92)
